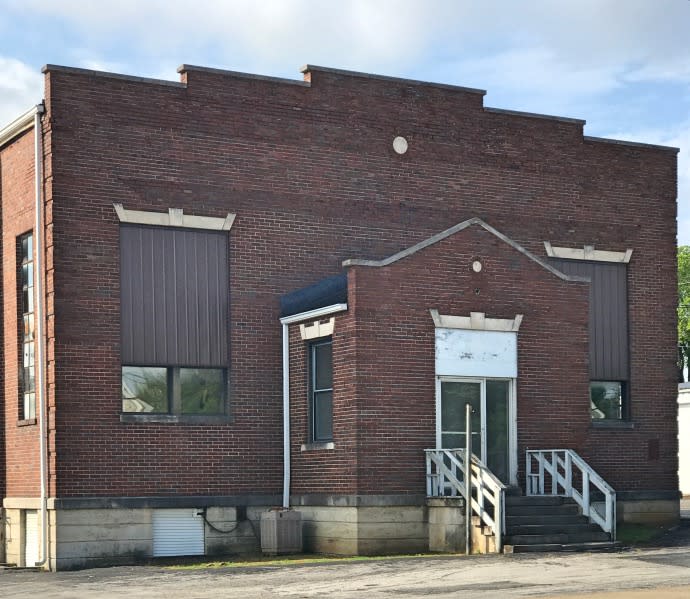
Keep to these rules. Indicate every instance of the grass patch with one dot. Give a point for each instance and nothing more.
(638, 534)
(293, 560)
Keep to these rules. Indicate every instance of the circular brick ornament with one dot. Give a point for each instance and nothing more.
(400, 145)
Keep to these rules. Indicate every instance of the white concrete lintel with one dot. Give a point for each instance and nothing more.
(175, 217)
(313, 314)
(476, 321)
(317, 329)
(588, 252)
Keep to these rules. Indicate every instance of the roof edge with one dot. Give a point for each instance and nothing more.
(49, 68)
(183, 68)
(22, 123)
(536, 115)
(307, 68)
(455, 229)
(635, 144)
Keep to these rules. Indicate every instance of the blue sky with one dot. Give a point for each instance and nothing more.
(623, 65)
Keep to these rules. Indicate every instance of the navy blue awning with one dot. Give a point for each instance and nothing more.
(329, 291)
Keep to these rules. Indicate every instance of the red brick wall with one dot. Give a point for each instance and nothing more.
(20, 450)
(313, 179)
(396, 371)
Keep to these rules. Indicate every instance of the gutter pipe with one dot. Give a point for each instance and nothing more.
(285, 321)
(40, 331)
(32, 118)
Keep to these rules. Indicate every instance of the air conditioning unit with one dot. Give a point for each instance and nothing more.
(281, 532)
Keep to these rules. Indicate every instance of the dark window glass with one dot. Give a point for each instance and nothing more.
(321, 389)
(202, 390)
(144, 389)
(27, 365)
(157, 390)
(606, 399)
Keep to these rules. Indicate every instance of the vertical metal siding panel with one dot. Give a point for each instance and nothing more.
(222, 297)
(174, 297)
(180, 318)
(608, 322)
(125, 296)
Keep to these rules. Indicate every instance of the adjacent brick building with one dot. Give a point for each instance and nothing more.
(181, 221)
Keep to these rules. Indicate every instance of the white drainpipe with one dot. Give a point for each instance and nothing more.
(288, 320)
(40, 333)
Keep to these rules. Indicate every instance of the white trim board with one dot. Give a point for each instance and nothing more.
(455, 229)
(174, 217)
(588, 252)
(476, 321)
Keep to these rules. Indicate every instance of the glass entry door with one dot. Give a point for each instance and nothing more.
(491, 412)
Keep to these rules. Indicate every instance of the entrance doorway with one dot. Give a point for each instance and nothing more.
(493, 418)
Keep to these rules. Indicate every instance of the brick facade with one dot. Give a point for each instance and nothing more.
(309, 169)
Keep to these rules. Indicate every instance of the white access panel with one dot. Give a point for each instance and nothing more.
(684, 439)
(30, 538)
(177, 532)
(468, 353)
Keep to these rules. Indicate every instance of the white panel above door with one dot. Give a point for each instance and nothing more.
(461, 352)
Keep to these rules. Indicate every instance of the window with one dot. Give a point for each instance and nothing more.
(607, 399)
(154, 390)
(608, 335)
(174, 320)
(27, 364)
(321, 390)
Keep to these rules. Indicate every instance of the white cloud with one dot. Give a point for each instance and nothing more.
(21, 87)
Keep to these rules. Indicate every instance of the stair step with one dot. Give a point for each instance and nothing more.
(540, 511)
(549, 547)
(553, 519)
(517, 500)
(561, 538)
(532, 528)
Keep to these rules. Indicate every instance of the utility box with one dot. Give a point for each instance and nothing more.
(281, 532)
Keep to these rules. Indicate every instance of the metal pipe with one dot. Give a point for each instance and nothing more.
(40, 332)
(468, 478)
(286, 417)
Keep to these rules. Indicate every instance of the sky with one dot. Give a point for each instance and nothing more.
(622, 65)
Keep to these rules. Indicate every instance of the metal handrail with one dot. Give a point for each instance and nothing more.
(561, 464)
(446, 470)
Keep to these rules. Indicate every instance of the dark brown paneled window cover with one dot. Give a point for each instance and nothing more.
(608, 316)
(174, 296)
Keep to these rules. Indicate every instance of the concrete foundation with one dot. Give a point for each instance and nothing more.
(364, 530)
(660, 512)
(446, 524)
(90, 537)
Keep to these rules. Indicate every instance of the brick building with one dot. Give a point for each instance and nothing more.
(246, 291)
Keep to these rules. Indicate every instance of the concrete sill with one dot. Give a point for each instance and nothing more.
(27, 422)
(614, 424)
(186, 419)
(317, 446)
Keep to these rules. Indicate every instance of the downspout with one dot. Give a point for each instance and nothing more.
(40, 333)
(286, 416)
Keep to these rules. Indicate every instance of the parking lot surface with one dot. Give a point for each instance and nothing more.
(662, 572)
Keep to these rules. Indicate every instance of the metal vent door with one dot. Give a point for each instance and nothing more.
(30, 538)
(177, 532)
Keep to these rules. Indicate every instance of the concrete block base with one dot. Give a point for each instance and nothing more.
(658, 512)
(364, 530)
(446, 524)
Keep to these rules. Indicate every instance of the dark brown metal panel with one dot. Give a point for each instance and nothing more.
(608, 316)
(174, 296)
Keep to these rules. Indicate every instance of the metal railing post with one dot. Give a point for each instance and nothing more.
(468, 478)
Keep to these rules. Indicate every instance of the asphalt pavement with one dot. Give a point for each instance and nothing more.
(660, 571)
